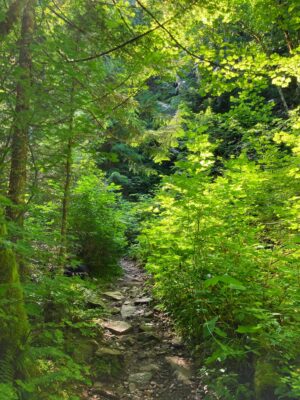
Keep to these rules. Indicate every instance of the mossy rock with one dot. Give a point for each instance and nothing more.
(84, 350)
(266, 380)
(108, 363)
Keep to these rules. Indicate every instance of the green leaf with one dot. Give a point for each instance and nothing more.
(209, 327)
(231, 282)
(248, 328)
(220, 332)
(212, 281)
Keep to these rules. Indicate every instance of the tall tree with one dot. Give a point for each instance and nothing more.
(13, 319)
(21, 124)
(11, 17)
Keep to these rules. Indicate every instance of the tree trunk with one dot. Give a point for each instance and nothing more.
(67, 183)
(12, 15)
(13, 319)
(66, 199)
(20, 135)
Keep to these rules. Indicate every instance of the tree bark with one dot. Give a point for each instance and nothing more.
(66, 199)
(68, 178)
(13, 318)
(20, 134)
(12, 15)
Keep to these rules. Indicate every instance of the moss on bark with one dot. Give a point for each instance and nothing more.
(13, 319)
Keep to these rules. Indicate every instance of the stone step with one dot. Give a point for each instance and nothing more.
(115, 295)
(142, 300)
(117, 327)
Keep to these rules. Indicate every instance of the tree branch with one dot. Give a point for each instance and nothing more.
(118, 47)
(168, 32)
(64, 18)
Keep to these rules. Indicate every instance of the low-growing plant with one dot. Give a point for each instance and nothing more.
(96, 224)
(63, 312)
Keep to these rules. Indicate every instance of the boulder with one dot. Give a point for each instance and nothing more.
(117, 327)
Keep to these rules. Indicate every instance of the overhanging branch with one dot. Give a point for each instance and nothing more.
(118, 47)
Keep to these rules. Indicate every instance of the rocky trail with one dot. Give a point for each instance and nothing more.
(143, 356)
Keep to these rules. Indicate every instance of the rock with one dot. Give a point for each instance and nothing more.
(114, 310)
(150, 368)
(140, 378)
(100, 389)
(117, 327)
(135, 279)
(128, 311)
(127, 340)
(142, 300)
(114, 295)
(184, 377)
(148, 336)
(177, 341)
(94, 299)
(108, 364)
(147, 327)
(98, 322)
(132, 387)
(148, 314)
(84, 349)
(108, 351)
(181, 367)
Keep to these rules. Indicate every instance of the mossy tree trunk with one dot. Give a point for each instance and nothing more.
(13, 319)
(20, 135)
(21, 126)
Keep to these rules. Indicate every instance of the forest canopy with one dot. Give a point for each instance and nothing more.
(167, 132)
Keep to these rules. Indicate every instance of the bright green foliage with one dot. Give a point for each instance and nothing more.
(200, 96)
(97, 224)
(7, 392)
(224, 251)
(64, 315)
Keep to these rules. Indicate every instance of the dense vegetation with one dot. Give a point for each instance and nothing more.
(168, 132)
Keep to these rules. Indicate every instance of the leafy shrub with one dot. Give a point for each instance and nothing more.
(7, 392)
(64, 319)
(224, 255)
(97, 225)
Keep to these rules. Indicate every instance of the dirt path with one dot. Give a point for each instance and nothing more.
(146, 357)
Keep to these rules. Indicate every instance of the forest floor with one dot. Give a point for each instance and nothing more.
(151, 362)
